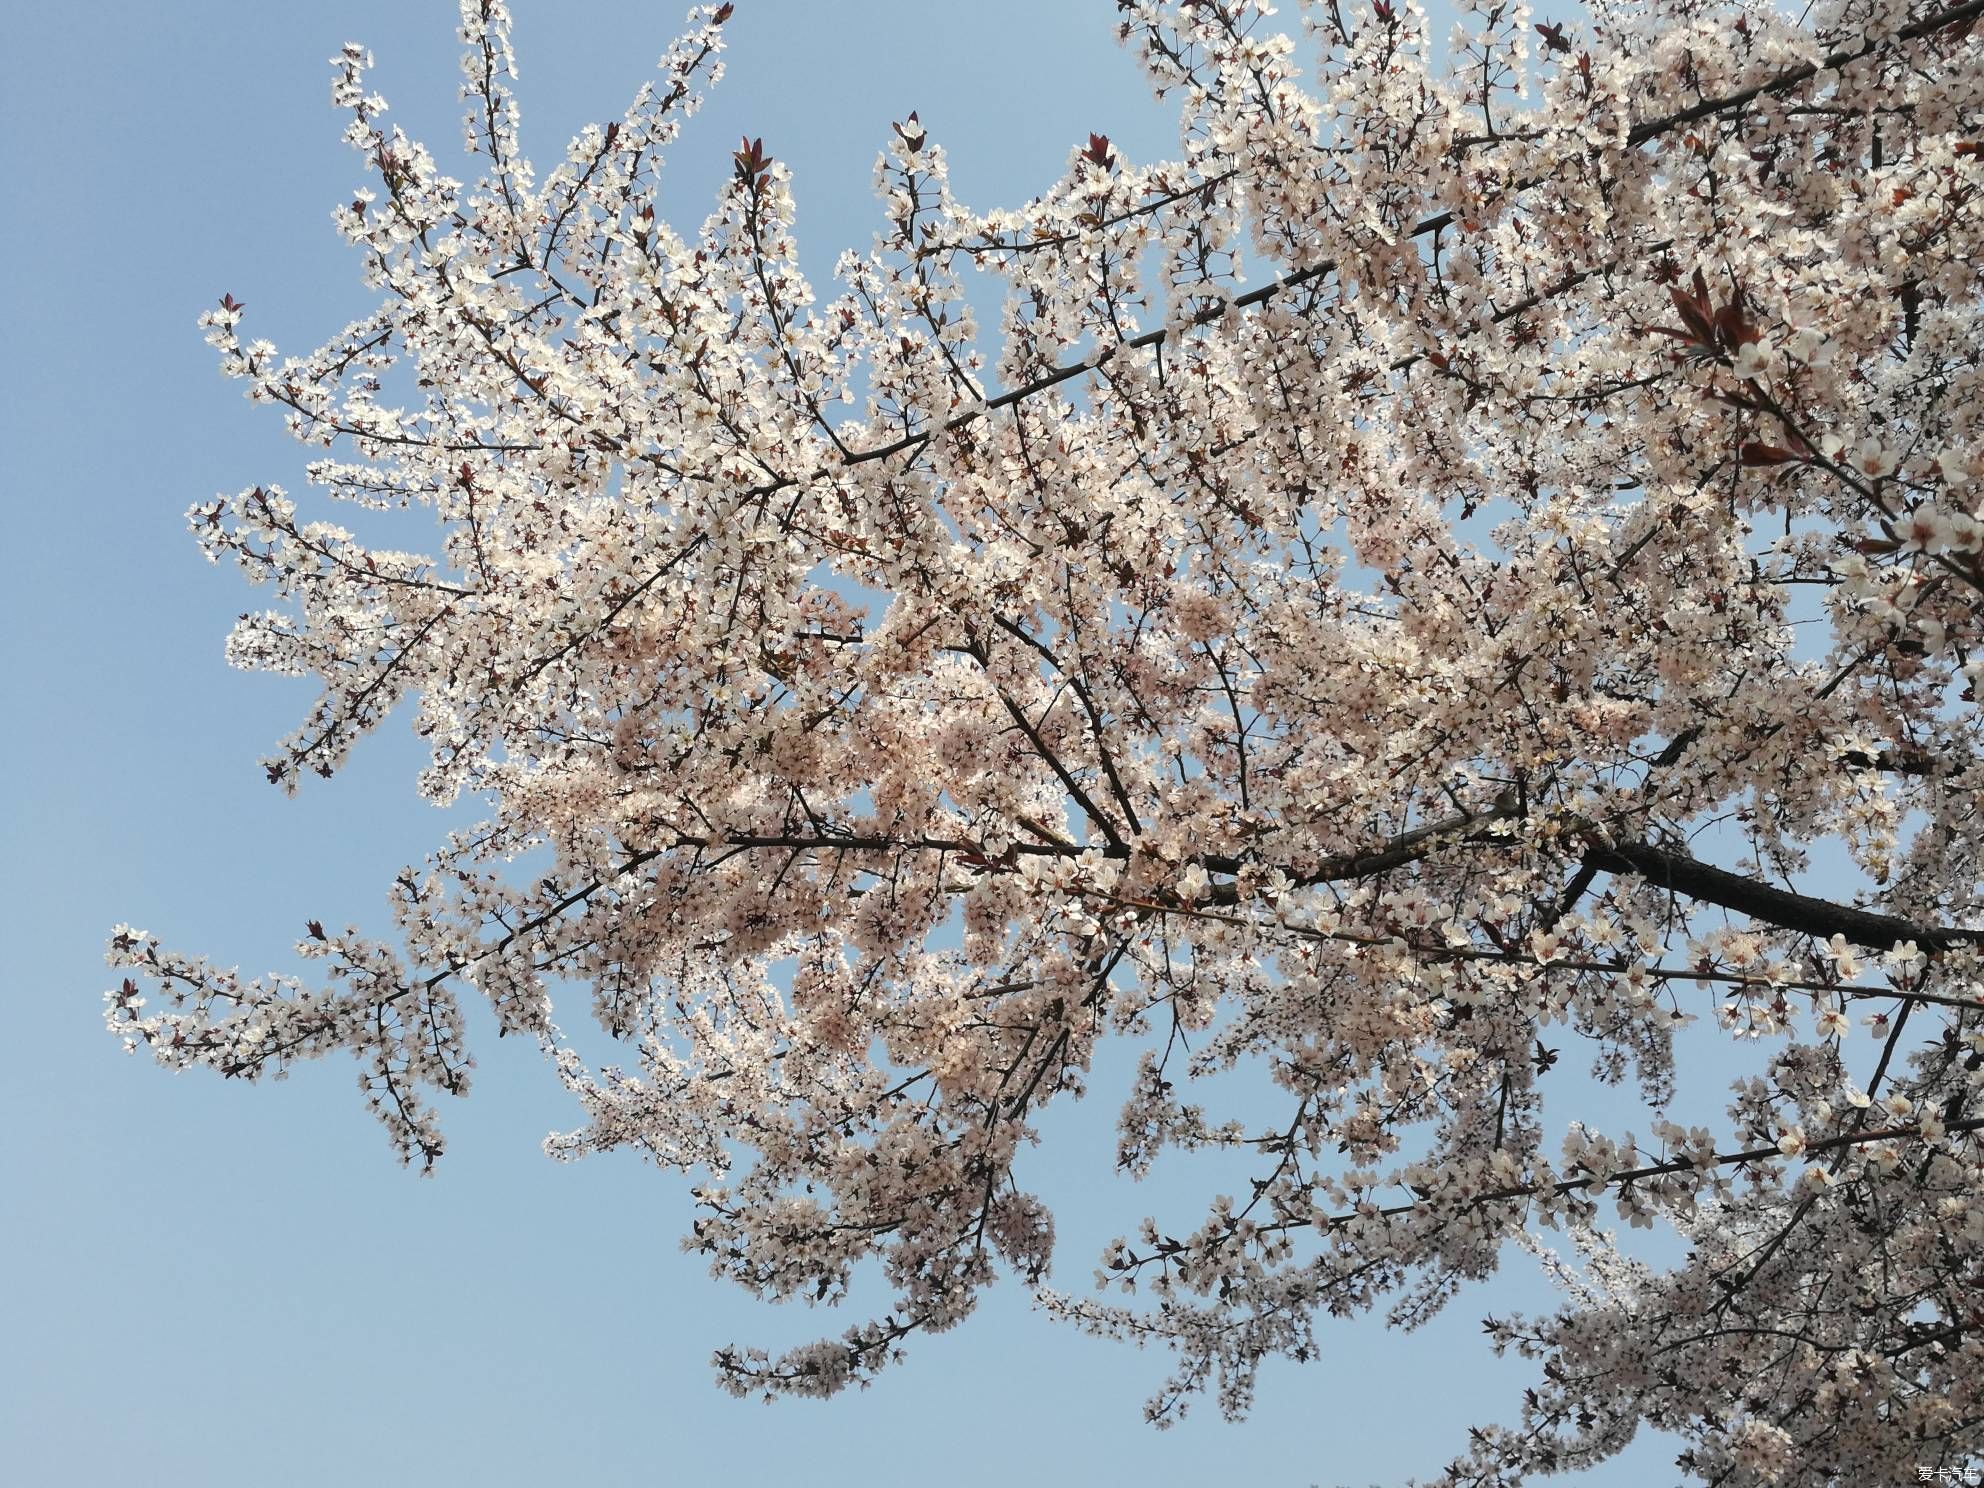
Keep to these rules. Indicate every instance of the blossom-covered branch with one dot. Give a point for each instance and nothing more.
(1412, 588)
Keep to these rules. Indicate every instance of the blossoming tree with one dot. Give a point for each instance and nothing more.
(1418, 574)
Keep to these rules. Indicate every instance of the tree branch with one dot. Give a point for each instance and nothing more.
(1773, 906)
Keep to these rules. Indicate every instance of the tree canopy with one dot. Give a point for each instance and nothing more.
(1470, 569)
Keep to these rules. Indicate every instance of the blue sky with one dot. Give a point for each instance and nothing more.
(212, 1285)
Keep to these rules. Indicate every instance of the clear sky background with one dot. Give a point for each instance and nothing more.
(208, 1284)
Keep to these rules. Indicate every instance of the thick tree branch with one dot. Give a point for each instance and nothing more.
(1774, 906)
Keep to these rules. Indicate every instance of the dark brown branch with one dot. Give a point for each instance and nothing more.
(1635, 1175)
(1407, 847)
(1785, 81)
(1773, 906)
